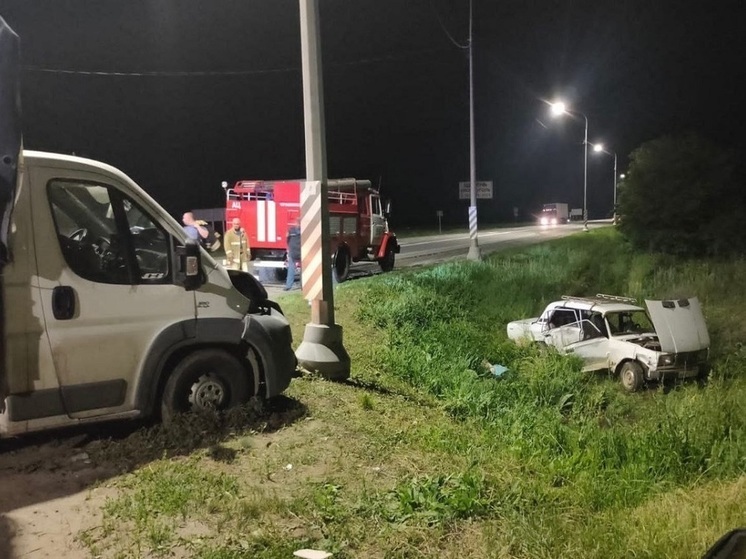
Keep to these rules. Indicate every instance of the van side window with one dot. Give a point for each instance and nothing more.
(151, 245)
(105, 237)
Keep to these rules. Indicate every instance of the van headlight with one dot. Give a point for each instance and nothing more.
(665, 360)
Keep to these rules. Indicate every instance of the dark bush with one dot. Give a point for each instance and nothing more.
(683, 195)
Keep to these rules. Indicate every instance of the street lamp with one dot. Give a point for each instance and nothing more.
(600, 148)
(559, 108)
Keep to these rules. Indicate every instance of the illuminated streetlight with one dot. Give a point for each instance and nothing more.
(600, 148)
(559, 108)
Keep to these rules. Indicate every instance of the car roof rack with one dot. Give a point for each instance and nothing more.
(603, 297)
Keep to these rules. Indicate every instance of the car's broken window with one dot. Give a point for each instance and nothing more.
(562, 317)
(592, 330)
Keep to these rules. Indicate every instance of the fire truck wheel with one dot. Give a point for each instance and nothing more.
(387, 262)
(342, 264)
(208, 379)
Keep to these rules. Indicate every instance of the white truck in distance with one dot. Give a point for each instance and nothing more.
(555, 213)
(613, 333)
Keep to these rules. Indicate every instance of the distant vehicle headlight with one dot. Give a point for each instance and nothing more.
(665, 360)
(544, 221)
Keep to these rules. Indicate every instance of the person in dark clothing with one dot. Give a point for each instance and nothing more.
(293, 244)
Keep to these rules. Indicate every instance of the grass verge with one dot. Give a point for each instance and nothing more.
(425, 453)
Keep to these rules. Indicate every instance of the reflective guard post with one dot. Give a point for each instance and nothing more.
(321, 349)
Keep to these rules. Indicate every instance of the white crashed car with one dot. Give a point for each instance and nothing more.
(612, 333)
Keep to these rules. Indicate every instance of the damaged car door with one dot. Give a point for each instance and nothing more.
(587, 338)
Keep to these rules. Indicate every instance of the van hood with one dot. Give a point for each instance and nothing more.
(10, 130)
(680, 324)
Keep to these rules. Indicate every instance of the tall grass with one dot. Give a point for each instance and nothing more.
(579, 433)
(427, 453)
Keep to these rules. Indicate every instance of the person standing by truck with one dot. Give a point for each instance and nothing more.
(193, 229)
(236, 244)
(293, 242)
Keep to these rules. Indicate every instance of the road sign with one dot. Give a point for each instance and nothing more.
(484, 190)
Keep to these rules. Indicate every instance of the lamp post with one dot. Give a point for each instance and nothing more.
(474, 252)
(559, 108)
(600, 148)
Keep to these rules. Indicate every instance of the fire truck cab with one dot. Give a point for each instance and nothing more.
(357, 222)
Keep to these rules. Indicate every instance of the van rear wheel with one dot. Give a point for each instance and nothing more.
(208, 379)
(631, 376)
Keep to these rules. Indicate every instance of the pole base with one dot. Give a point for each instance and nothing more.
(474, 252)
(322, 351)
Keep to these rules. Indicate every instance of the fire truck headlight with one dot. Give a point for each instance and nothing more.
(554, 221)
(544, 221)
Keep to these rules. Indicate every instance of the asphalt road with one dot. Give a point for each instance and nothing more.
(432, 249)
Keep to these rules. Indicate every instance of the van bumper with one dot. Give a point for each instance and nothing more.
(272, 339)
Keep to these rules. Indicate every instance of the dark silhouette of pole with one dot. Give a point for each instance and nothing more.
(474, 252)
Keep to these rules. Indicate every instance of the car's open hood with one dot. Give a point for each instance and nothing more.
(680, 324)
(10, 130)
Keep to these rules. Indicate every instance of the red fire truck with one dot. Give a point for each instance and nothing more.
(358, 224)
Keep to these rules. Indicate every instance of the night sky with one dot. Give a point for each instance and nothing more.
(212, 91)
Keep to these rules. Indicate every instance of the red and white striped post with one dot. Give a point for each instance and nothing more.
(321, 349)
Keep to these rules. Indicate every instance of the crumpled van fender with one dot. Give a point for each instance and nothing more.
(265, 341)
(270, 337)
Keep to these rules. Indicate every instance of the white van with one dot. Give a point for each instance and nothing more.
(107, 310)
(103, 318)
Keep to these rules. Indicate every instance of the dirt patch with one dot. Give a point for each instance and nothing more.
(49, 495)
(54, 484)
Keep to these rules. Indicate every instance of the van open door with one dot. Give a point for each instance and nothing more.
(10, 153)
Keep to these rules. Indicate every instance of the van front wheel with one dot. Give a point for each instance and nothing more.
(209, 379)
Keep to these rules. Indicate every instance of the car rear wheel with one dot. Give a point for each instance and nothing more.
(631, 376)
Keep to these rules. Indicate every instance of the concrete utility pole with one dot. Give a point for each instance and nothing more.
(474, 252)
(322, 349)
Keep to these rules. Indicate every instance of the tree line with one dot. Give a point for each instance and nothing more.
(684, 195)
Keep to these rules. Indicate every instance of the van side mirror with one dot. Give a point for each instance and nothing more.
(189, 265)
(387, 209)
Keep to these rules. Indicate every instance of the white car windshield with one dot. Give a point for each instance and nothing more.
(629, 322)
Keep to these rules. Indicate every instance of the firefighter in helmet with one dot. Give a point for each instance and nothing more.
(236, 244)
